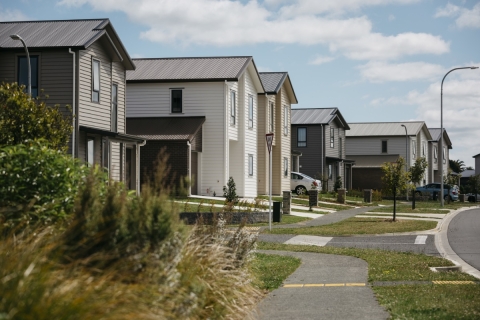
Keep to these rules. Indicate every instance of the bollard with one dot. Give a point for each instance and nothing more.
(287, 202)
(341, 195)
(313, 198)
(367, 195)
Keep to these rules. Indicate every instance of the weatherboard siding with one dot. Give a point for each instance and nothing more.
(250, 136)
(373, 145)
(199, 99)
(311, 159)
(285, 143)
(263, 128)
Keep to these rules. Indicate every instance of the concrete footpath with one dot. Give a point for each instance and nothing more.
(325, 286)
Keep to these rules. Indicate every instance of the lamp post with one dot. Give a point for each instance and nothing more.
(406, 152)
(441, 131)
(17, 37)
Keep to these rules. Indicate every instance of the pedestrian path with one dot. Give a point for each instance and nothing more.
(318, 290)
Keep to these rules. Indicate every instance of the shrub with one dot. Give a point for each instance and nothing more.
(377, 195)
(22, 118)
(37, 182)
(338, 184)
(230, 191)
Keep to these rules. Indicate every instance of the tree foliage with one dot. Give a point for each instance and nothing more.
(418, 170)
(23, 118)
(457, 166)
(395, 179)
(230, 191)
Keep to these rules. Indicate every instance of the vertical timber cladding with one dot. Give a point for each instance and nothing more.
(178, 159)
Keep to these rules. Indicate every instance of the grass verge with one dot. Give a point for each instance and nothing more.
(286, 219)
(408, 209)
(355, 225)
(269, 271)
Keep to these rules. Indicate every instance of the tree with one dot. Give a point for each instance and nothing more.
(23, 118)
(457, 166)
(395, 179)
(416, 174)
(474, 183)
(449, 180)
(469, 168)
(230, 192)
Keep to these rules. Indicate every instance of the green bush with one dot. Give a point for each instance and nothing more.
(22, 118)
(37, 182)
(230, 191)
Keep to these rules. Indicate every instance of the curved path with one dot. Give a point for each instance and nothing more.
(325, 286)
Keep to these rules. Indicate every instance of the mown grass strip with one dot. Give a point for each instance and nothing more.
(408, 209)
(356, 225)
(269, 271)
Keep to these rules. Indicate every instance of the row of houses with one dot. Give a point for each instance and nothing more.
(210, 114)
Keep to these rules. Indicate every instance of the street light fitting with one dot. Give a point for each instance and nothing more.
(15, 37)
(29, 88)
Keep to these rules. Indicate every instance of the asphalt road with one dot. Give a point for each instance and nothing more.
(464, 236)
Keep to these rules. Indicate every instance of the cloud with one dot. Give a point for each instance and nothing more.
(411, 71)
(234, 23)
(11, 15)
(321, 60)
(465, 18)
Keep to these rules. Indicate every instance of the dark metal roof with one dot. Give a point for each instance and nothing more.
(272, 81)
(189, 69)
(317, 116)
(165, 128)
(78, 34)
(113, 135)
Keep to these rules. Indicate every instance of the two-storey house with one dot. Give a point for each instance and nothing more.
(80, 63)
(371, 144)
(319, 134)
(274, 116)
(214, 103)
(435, 155)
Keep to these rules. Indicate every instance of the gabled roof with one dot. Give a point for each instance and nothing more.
(318, 116)
(435, 133)
(363, 129)
(165, 128)
(273, 82)
(205, 69)
(75, 34)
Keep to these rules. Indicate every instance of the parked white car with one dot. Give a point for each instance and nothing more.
(300, 183)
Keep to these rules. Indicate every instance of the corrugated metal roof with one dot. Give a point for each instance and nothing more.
(384, 128)
(435, 133)
(313, 116)
(60, 33)
(165, 128)
(272, 81)
(199, 68)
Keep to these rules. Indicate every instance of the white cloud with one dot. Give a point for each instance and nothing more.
(321, 60)
(11, 15)
(381, 71)
(391, 17)
(466, 18)
(233, 23)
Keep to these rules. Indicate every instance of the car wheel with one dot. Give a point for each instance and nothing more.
(300, 190)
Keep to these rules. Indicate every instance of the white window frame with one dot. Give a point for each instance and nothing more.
(332, 137)
(233, 107)
(435, 153)
(250, 165)
(90, 151)
(114, 111)
(301, 143)
(424, 148)
(96, 83)
(250, 111)
(414, 149)
(272, 117)
(285, 120)
(444, 155)
(285, 167)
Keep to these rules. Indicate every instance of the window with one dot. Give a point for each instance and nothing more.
(233, 106)
(330, 173)
(114, 115)
(95, 81)
(332, 137)
(444, 155)
(272, 115)
(90, 152)
(424, 148)
(414, 149)
(285, 167)
(23, 73)
(250, 111)
(250, 164)
(105, 153)
(340, 148)
(301, 137)
(384, 146)
(285, 120)
(435, 154)
(177, 100)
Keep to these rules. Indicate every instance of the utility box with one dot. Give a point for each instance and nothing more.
(277, 216)
(341, 195)
(367, 195)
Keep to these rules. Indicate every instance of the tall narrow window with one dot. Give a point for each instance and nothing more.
(330, 172)
(285, 120)
(105, 153)
(384, 146)
(444, 155)
(250, 164)
(250, 111)
(95, 80)
(90, 152)
(272, 115)
(340, 148)
(301, 137)
(332, 137)
(177, 100)
(414, 149)
(114, 115)
(23, 73)
(285, 167)
(424, 149)
(233, 107)
(435, 153)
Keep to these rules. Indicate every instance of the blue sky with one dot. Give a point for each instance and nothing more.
(375, 60)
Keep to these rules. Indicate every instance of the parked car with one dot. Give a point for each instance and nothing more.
(471, 197)
(433, 190)
(300, 183)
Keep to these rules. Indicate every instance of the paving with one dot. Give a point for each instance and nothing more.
(323, 287)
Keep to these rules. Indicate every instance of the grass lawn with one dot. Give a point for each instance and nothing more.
(408, 209)
(409, 301)
(360, 226)
(286, 219)
(269, 271)
(337, 207)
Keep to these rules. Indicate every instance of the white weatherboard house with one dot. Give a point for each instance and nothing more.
(222, 90)
(436, 156)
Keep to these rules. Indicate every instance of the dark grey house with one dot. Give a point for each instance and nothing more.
(319, 134)
(80, 63)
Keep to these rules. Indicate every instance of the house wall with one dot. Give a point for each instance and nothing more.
(367, 178)
(311, 159)
(477, 164)
(250, 135)
(207, 99)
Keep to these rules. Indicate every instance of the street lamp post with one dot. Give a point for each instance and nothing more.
(441, 131)
(17, 37)
(406, 152)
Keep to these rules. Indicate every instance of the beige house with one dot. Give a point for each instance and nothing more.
(274, 116)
